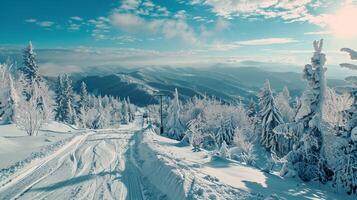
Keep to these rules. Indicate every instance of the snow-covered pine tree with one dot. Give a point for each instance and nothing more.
(194, 133)
(8, 96)
(65, 111)
(251, 108)
(59, 100)
(30, 68)
(100, 121)
(306, 159)
(282, 102)
(270, 118)
(83, 105)
(125, 112)
(115, 112)
(224, 151)
(174, 124)
(131, 110)
(225, 131)
(46, 100)
(346, 168)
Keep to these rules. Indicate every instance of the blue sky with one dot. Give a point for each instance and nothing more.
(169, 32)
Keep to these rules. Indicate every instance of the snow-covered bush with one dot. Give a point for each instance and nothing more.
(175, 128)
(224, 151)
(244, 140)
(195, 134)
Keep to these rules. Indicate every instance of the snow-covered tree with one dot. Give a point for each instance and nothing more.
(100, 120)
(306, 160)
(282, 102)
(30, 68)
(345, 146)
(83, 105)
(131, 110)
(8, 96)
(270, 118)
(244, 140)
(251, 109)
(65, 111)
(224, 151)
(225, 131)
(28, 116)
(125, 112)
(335, 108)
(175, 128)
(195, 134)
(46, 100)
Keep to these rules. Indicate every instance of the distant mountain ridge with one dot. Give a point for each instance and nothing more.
(225, 83)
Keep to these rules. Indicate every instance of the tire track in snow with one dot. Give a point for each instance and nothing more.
(96, 167)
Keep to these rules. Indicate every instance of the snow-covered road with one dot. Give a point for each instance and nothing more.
(96, 165)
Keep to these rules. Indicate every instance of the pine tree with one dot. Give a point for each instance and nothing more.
(8, 96)
(59, 99)
(125, 112)
(306, 159)
(346, 168)
(194, 133)
(283, 105)
(225, 131)
(251, 109)
(99, 121)
(83, 105)
(224, 151)
(65, 111)
(131, 110)
(174, 124)
(270, 118)
(30, 68)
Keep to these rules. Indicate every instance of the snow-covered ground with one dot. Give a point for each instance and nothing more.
(17, 149)
(182, 173)
(130, 163)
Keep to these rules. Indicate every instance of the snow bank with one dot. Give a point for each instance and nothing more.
(180, 173)
(177, 177)
(18, 150)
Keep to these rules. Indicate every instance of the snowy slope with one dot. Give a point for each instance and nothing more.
(17, 149)
(216, 176)
(93, 165)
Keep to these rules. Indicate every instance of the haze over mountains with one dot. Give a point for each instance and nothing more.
(226, 83)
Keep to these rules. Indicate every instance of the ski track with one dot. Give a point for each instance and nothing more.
(97, 166)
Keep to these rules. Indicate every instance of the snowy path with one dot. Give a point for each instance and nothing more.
(93, 166)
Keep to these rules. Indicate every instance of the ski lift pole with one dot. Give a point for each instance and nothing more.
(161, 121)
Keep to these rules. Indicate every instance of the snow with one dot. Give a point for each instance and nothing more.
(183, 165)
(130, 162)
(17, 149)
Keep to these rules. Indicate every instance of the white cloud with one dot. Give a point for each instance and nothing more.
(31, 20)
(219, 46)
(169, 28)
(130, 4)
(44, 24)
(266, 41)
(74, 27)
(76, 18)
(288, 10)
(318, 33)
